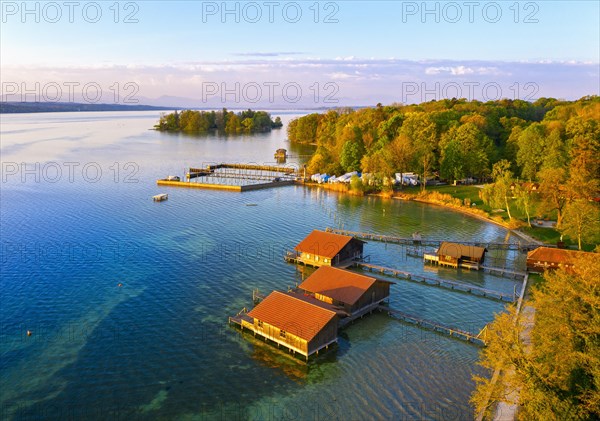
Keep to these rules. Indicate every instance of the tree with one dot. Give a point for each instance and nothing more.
(558, 375)
(498, 193)
(452, 165)
(277, 123)
(401, 154)
(356, 184)
(531, 150)
(233, 124)
(581, 221)
(524, 195)
(352, 153)
(553, 191)
(248, 124)
(585, 156)
(421, 131)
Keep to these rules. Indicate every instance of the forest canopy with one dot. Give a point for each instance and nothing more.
(224, 121)
(455, 139)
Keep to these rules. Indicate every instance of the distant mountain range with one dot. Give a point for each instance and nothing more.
(51, 107)
(164, 103)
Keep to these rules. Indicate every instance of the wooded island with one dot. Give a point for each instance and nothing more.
(193, 121)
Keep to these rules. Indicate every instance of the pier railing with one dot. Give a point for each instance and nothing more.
(430, 242)
(443, 283)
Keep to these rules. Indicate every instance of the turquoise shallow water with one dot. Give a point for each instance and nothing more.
(159, 346)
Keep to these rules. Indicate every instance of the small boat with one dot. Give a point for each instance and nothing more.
(160, 197)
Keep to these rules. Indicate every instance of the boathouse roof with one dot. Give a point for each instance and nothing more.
(554, 255)
(341, 285)
(298, 317)
(460, 250)
(326, 244)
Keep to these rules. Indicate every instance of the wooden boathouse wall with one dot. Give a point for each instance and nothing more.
(325, 336)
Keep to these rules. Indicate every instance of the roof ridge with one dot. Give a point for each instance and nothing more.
(302, 301)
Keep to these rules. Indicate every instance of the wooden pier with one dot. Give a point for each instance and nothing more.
(431, 243)
(443, 283)
(437, 327)
(507, 273)
(253, 167)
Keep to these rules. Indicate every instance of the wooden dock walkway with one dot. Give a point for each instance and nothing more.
(443, 283)
(507, 273)
(431, 243)
(435, 326)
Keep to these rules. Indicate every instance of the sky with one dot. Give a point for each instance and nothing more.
(297, 54)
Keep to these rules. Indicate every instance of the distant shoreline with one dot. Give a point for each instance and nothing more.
(64, 107)
(14, 107)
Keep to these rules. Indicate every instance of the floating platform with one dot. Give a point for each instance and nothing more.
(234, 177)
(160, 197)
(229, 187)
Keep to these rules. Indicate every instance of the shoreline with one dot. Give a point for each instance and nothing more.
(415, 198)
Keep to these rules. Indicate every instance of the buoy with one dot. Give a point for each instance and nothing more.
(120, 285)
(29, 333)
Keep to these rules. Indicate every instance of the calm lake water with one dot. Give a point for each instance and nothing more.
(158, 347)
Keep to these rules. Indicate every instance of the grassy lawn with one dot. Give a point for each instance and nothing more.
(547, 235)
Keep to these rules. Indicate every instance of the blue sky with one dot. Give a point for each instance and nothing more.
(370, 51)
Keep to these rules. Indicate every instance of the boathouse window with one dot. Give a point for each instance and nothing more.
(282, 333)
(260, 323)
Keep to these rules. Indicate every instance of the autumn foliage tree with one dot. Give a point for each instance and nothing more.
(553, 366)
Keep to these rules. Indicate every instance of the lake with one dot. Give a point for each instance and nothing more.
(78, 220)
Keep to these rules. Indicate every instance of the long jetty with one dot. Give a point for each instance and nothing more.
(210, 169)
(263, 176)
(479, 338)
(443, 283)
(427, 242)
(435, 326)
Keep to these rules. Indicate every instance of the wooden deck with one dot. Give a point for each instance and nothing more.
(290, 257)
(443, 283)
(229, 187)
(430, 242)
(435, 326)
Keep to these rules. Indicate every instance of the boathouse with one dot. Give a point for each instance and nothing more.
(322, 248)
(296, 324)
(455, 255)
(545, 258)
(357, 294)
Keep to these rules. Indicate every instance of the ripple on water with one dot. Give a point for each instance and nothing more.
(160, 344)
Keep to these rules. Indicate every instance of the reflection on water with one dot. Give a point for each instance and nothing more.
(186, 265)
